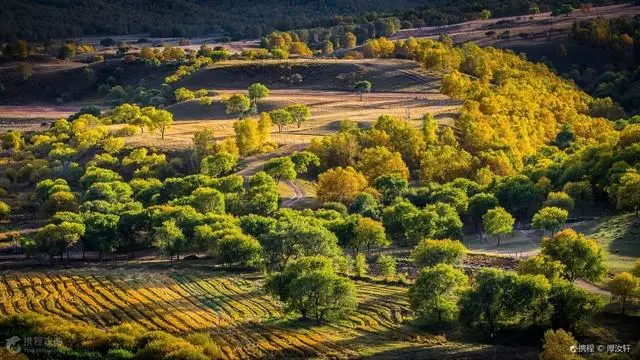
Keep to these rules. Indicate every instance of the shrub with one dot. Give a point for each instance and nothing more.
(432, 252)
(360, 266)
(238, 249)
(126, 131)
(387, 265)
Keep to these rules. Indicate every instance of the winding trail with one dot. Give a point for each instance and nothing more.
(299, 194)
(253, 164)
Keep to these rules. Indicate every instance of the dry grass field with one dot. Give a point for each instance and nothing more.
(400, 88)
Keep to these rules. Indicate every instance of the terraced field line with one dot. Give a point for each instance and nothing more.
(187, 309)
(154, 308)
(138, 306)
(126, 310)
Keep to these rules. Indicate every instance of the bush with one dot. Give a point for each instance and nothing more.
(126, 131)
(432, 252)
(360, 266)
(386, 265)
(238, 249)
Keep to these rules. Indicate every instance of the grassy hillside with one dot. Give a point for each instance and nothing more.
(388, 75)
(620, 236)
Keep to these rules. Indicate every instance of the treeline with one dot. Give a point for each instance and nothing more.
(64, 19)
(620, 39)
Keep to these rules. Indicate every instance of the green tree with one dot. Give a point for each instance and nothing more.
(624, 288)
(571, 304)
(207, 200)
(238, 104)
(262, 196)
(360, 266)
(550, 219)
(581, 256)
(296, 237)
(184, 94)
(541, 265)
(257, 91)
(430, 253)
(433, 293)
(366, 205)
(162, 120)
(100, 233)
(498, 221)
(386, 265)
(500, 296)
(369, 232)
(362, 87)
(628, 194)
(169, 239)
(581, 192)
(311, 287)
(238, 249)
(281, 168)
(299, 113)
(560, 200)
(517, 194)
(218, 164)
(303, 159)
(478, 205)
(203, 144)
(391, 186)
(429, 129)
(281, 118)
(55, 239)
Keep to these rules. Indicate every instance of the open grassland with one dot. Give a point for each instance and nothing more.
(243, 319)
(400, 88)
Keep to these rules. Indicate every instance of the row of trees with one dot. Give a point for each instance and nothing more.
(540, 293)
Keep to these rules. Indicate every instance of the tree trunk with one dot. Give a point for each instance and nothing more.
(498, 240)
(360, 96)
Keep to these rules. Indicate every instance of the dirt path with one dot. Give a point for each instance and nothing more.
(592, 288)
(253, 164)
(299, 194)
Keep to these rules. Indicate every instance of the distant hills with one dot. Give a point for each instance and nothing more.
(236, 19)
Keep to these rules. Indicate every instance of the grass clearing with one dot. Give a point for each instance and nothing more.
(619, 235)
